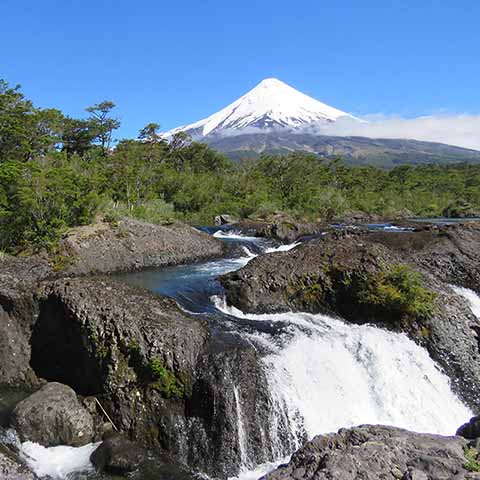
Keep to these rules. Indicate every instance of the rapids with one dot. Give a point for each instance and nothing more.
(323, 374)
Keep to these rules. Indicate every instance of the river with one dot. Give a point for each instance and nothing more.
(323, 374)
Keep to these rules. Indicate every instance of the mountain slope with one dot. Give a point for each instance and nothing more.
(271, 104)
(354, 150)
(274, 117)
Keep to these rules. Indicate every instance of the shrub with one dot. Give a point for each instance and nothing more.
(472, 464)
(398, 291)
(154, 211)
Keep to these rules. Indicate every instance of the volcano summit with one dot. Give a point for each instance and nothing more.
(274, 117)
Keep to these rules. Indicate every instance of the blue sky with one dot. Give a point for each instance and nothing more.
(177, 62)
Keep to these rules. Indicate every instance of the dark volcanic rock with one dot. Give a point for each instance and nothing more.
(271, 282)
(118, 455)
(132, 245)
(155, 370)
(450, 252)
(289, 232)
(19, 277)
(53, 416)
(471, 429)
(377, 452)
(103, 336)
(231, 399)
(95, 248)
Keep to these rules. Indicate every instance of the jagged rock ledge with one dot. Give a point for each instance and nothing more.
(373, 452)
(132, 245)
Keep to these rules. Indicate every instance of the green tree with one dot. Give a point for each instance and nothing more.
(102, 124)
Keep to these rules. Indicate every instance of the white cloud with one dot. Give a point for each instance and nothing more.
(461, 130)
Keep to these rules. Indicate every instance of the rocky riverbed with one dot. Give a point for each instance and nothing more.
(102, 355)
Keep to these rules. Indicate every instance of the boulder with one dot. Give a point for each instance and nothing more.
(290, 231)
(377, 452)
(132, 245)
(117, 455)
(53, 416)
(471, 429)
(224, 219)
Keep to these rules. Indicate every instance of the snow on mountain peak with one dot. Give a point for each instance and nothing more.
(271, 104)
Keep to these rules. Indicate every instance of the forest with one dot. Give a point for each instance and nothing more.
(58, 172)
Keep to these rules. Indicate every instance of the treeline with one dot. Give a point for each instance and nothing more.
(57, 172)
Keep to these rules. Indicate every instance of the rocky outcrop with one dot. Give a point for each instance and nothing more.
(224, 219)
(231, 416)
(101, 336)
(451, 252)
(289, 232)
(378, 452)
(274, 282)
(117, 455)
(19, 277)
(101, 247)
(132, 245)
(53, 416)
(156, 370)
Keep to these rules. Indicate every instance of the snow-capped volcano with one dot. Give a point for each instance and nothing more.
(275, 118)
(271, 104)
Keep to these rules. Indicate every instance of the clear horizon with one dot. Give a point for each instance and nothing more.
(176, 65)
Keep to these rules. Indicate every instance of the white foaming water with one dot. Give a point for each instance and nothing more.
(234, 235)
(326, 374)
(282, 248)
(57, 462)
(472, 297)
(260, 470)
(242, 437)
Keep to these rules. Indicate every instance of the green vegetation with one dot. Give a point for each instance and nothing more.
(165, 381)
(58, 172)
(472, 464)
(399, 292)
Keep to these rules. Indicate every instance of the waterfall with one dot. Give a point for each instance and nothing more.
(472, 298)
(242, 437)
(325, 374)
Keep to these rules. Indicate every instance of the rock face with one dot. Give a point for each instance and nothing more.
(18, 311)
(156, 370)
(377, 452)
(117, 455)
(230, 414)
(101, 336)
(53, 416)
(132, 245)
(450, 253)
(323, 276)
(97, 248)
